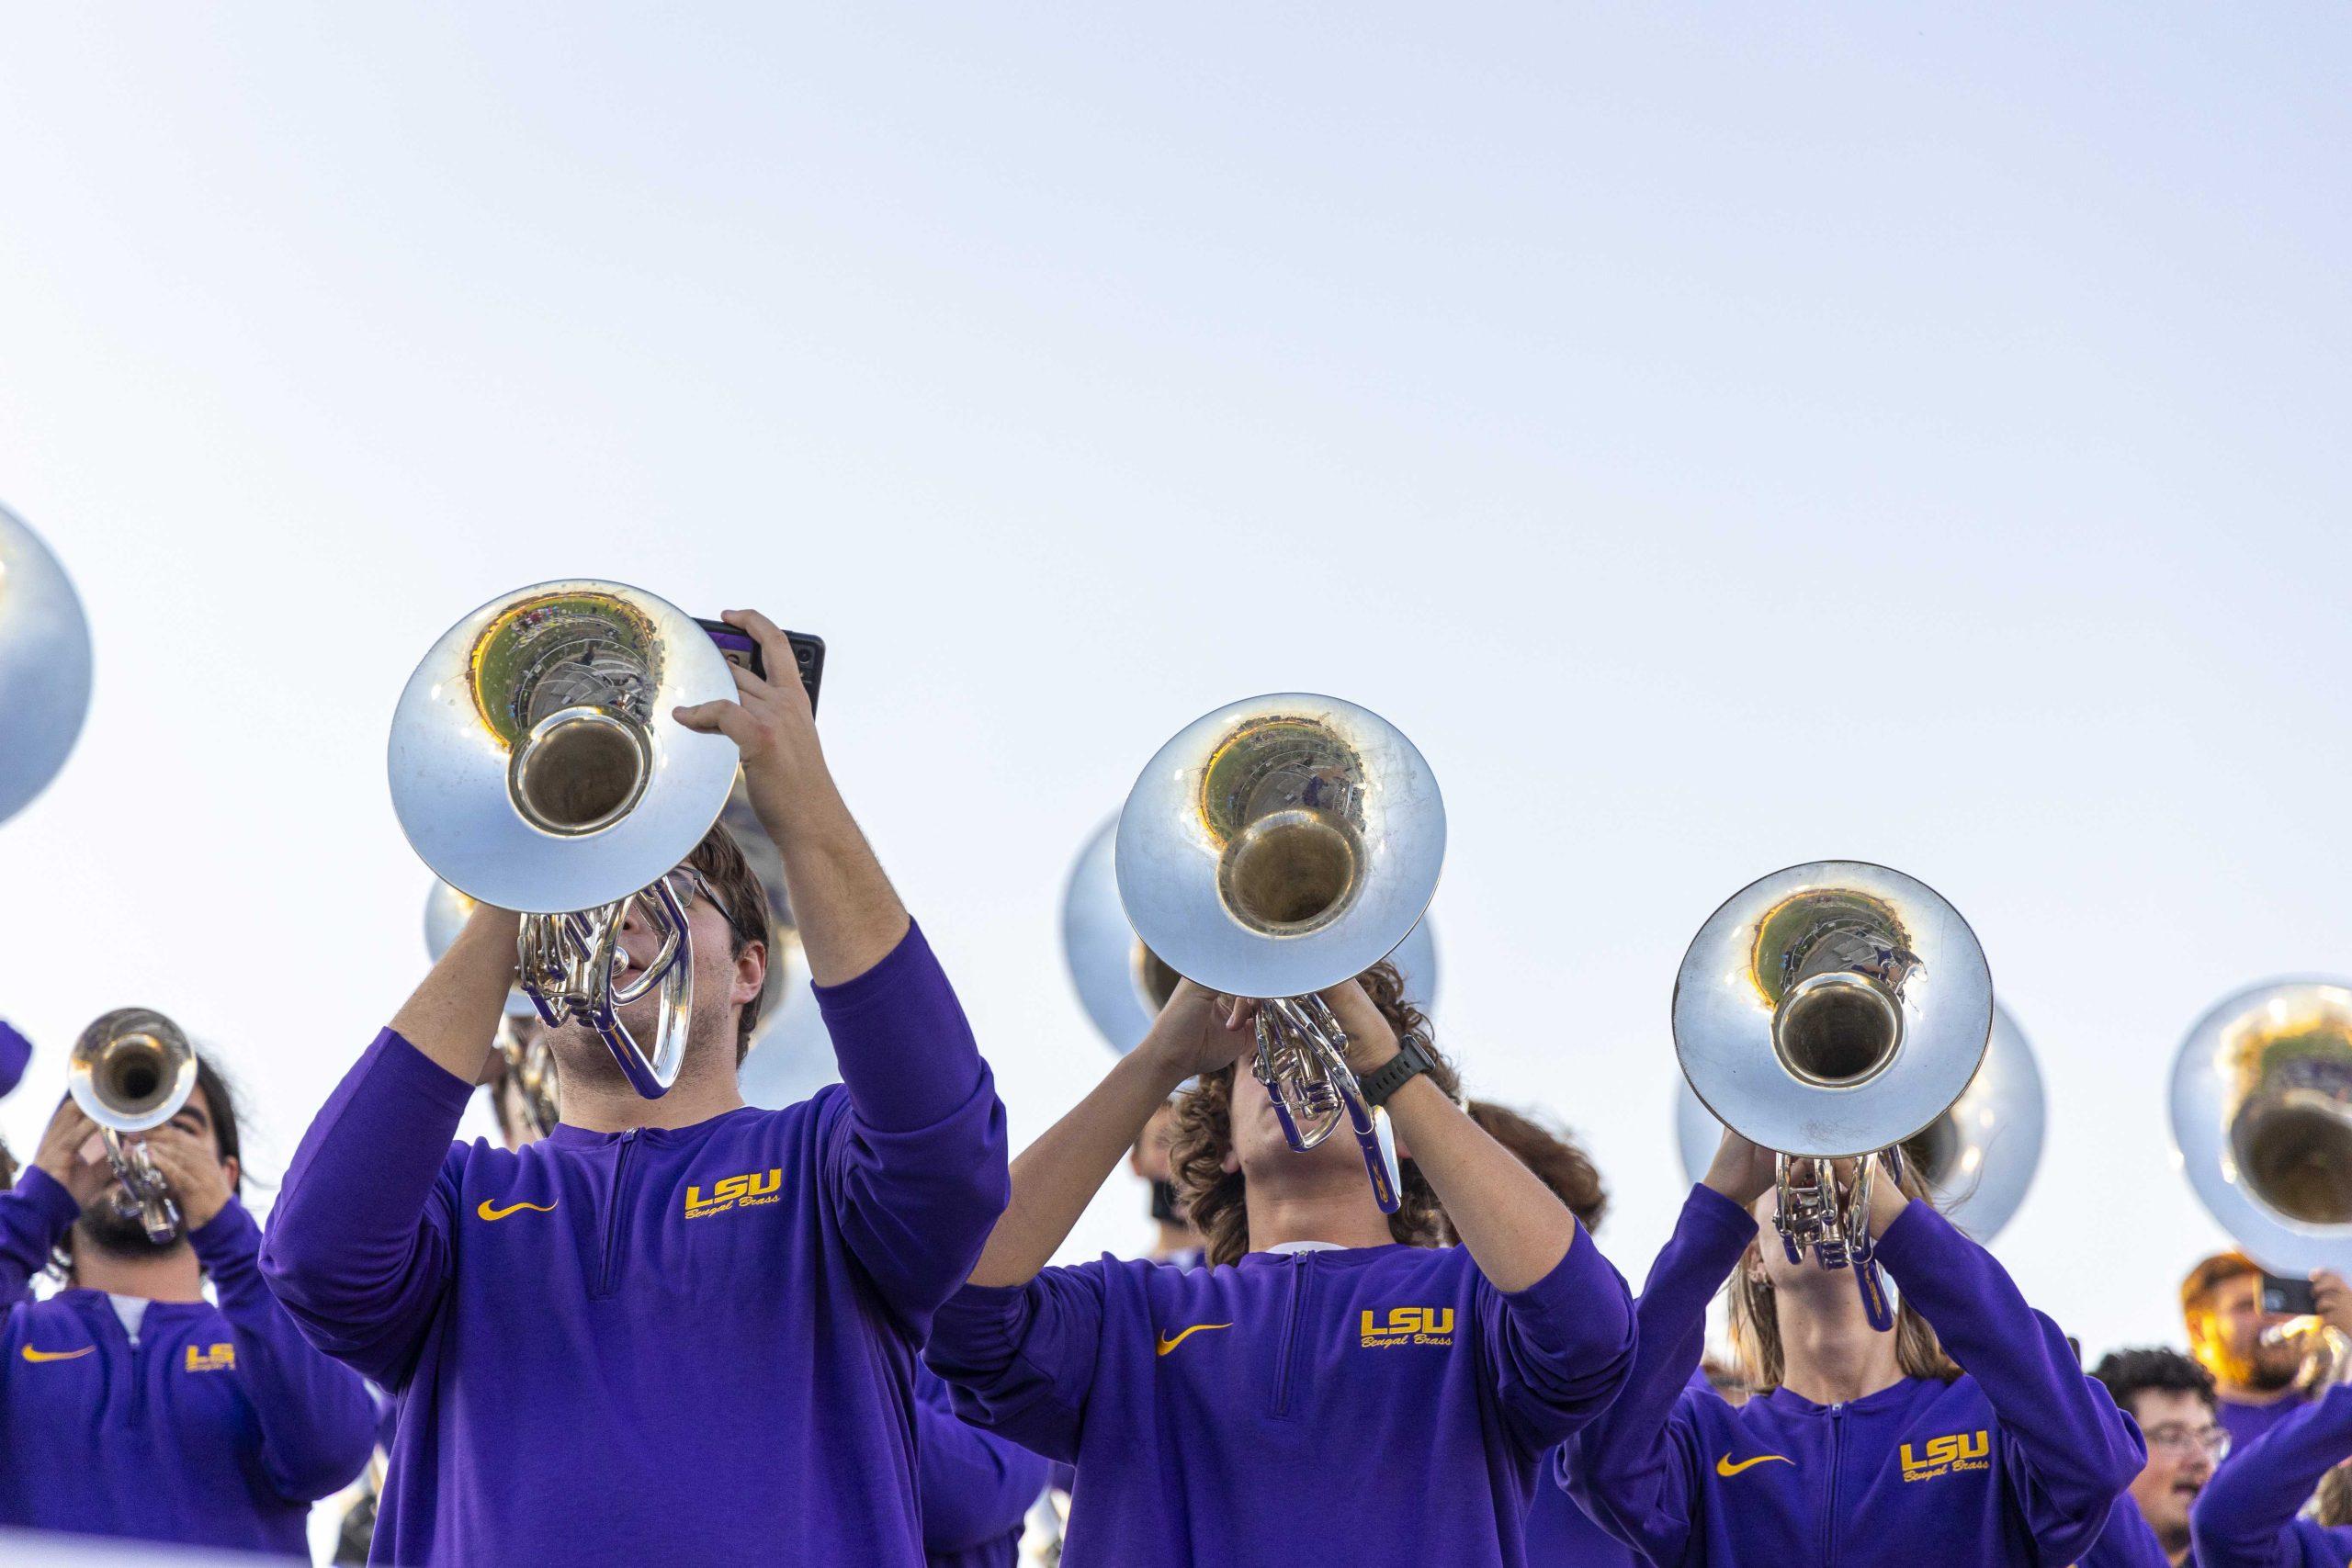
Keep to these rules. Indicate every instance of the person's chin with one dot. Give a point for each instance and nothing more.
(112, 1234)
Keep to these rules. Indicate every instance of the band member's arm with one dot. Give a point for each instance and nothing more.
(975, 1487)
(1022, 1358)
(317, 1423)
(1634, 1468)
(1557, 1328)
(2245, 1517)
(359, 1244)
(2069, 1452)
(35, 1215)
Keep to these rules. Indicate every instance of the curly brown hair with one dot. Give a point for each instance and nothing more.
(1550, 1153)
(1212, 1197)
(1755, 1318)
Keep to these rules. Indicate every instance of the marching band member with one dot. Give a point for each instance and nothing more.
(1866, 1448)
(679, 1329)
(1173, 1239)
(1325, 1384)
(2246, 1516)
(130, 1405)
(2171, 1398)
(2221, 1303)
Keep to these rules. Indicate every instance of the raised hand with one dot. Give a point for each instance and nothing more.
(191, 1166)
(72, 1153)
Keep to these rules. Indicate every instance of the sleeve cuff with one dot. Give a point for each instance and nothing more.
(50, 1200)
(884, 980)
(1918, 1236)
(1583, 1297)
(405, 1068)
(229, 1237)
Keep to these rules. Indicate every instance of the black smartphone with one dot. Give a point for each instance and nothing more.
(2292, 1297)
(739, 649)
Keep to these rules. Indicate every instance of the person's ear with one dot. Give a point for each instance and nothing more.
(750, 973)
(234, 1171)
(1232, 1160)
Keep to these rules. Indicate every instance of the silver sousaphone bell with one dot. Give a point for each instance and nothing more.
(44, 665)
(2262, 1120)
(1276, 848)
(1831, 1012)
(130, 1072)
(535, 767)
(1977, 1159)
(1122, 984)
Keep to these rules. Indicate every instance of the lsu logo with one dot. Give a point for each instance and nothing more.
(744, 1191)
(1958, 1451)
(213, 1358)
(1409, 1326)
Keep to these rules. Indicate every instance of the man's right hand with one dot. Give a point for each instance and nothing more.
(1199, 1032)
(72, 1154)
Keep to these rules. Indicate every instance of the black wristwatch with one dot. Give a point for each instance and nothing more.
(1412, 1056)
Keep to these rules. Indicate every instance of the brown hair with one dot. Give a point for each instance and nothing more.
(2335, 1496)
(744, 904)
(1550, 1153)
(1213, 1197)
(1755, 1319)
(2197, 1290)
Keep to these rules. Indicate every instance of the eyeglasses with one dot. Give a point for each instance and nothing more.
(686, 884)
(2172, 1438)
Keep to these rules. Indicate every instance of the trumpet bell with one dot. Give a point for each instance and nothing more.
(44, 665)
(1280, 845)
(1122, 984)
(1832, 1009)
(2262, 1120)
(534, 763)
(1977, 1159)
(132, 1071)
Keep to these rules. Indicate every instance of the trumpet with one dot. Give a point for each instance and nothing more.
(1831, 1012)
(1273, 848)
(44, 665)
(534, 766)
(1978, 1158)
(130, 1072)
(2261, 1107)
(1122, 984)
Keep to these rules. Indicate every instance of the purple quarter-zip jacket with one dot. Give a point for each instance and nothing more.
(688, 1344)
(977, 1488)
(2017, 1462)
(216, 1427)
(1364, 1407)
(2245, 1517)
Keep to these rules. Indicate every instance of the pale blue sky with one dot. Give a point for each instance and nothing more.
(1719, 441)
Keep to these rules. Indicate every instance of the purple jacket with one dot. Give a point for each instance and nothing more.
(2017, 1461)
(687, 1345)
(216, 1427)
(1368, 1406)
(977, 1488)
(2245, 1517)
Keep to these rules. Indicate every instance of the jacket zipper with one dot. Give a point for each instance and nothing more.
(1291, 1323)
(613, 1231)
(1830, 1514)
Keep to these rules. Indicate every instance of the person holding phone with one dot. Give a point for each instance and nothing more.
(130, 1404)
(679, 1329)
(2255, 1376)
(1863, 1448)
(1336, 1383)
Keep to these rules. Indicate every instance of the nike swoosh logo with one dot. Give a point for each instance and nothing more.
(33, 1355)
(1724, 1466)
(1166, 1344)
(487, 1212)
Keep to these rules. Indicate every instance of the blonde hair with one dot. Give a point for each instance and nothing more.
(1755, 1318)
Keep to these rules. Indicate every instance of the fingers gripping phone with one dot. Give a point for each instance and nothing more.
(739, 649)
